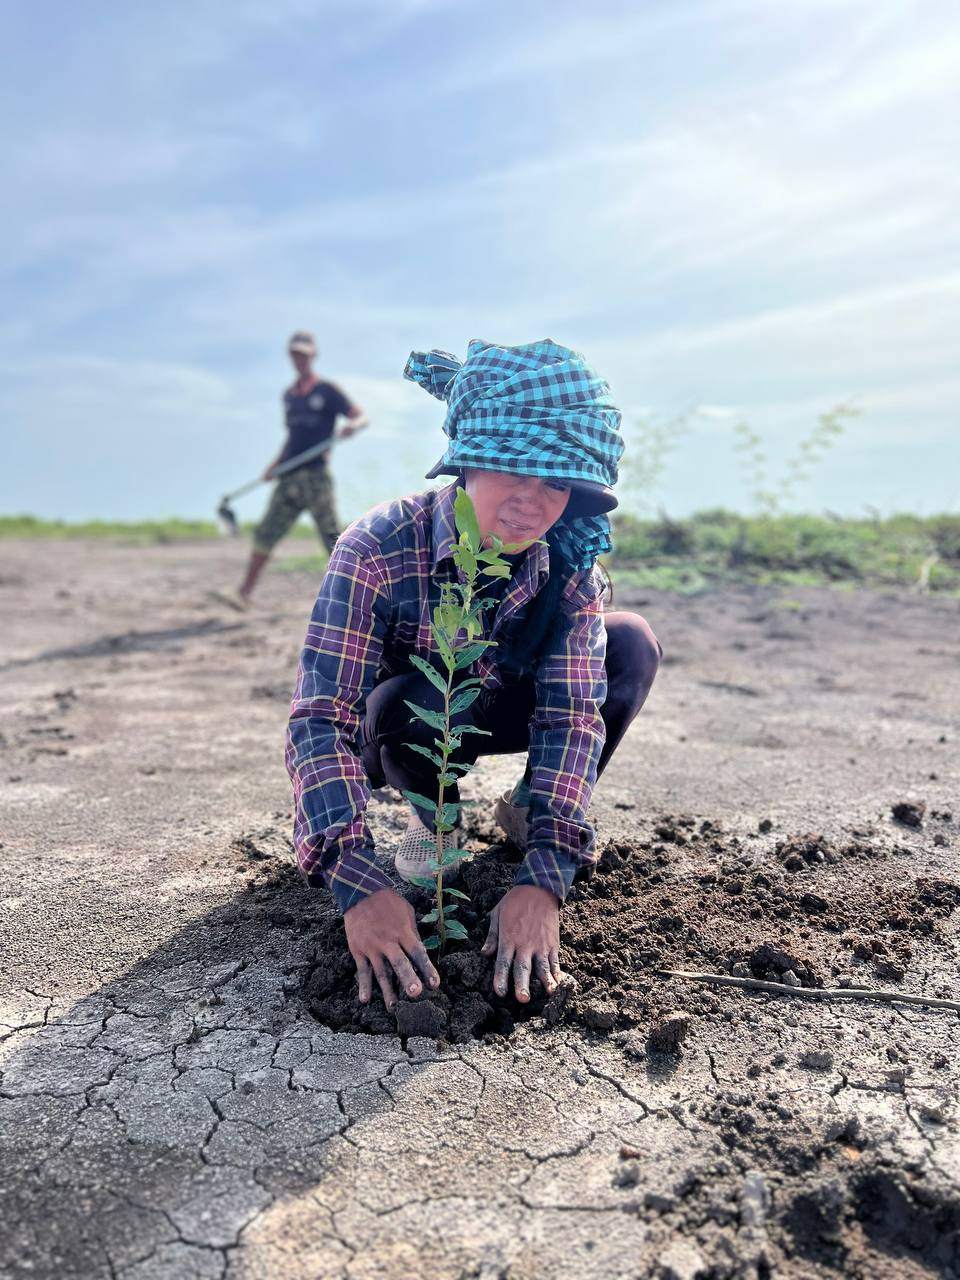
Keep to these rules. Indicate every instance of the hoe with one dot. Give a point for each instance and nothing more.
(225, 511)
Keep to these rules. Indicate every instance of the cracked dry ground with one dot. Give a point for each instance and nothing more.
(169, 1107)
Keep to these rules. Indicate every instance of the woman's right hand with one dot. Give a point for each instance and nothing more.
(383, 940)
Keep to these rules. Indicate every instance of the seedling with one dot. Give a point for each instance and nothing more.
(457, 622)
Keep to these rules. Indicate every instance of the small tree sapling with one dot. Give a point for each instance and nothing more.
(456, 625)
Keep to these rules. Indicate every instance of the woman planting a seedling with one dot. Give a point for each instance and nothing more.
(464, 621)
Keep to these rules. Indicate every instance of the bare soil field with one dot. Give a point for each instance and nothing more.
(188, 1087)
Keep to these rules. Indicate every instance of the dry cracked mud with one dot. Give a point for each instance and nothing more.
(172, 1105)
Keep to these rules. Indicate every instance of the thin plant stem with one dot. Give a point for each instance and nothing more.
(441, 799)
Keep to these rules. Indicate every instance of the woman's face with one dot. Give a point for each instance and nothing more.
(518, 509)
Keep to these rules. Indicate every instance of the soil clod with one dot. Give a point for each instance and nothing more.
(421, 1018)
(909, 813)
(817, 1059)
(668, 1034)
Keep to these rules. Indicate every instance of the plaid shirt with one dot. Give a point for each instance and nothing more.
(372, 612)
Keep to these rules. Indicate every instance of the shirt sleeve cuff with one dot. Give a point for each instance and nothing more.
(348, 895)
(548, 869)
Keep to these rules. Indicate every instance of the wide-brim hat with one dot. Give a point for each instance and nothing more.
(587, 497)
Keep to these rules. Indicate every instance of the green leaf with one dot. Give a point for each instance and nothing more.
(472, 728)
(448, 779)
(425, 882)
(465, 561)
(451, 855)
(498, 571)
(432, 674)
(460, 766)
(463, 700)
(450, 908)
(455, 893)
(424, 751)
(456, 930)
(431, 943)
(468, 655)
(439, 631)
(466, 517)
(446, 618)
(435, 719)
(422, 802)
(430, 917)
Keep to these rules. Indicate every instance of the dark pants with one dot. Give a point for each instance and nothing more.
(633, 656)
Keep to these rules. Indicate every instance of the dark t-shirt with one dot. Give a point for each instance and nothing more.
(310, 419)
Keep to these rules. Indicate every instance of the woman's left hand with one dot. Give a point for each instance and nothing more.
(525, 934)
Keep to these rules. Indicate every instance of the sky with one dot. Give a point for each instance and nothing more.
(739, 210)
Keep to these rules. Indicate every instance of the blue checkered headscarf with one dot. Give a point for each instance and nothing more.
(534, 410)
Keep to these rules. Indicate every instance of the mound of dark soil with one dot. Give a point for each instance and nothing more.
(732, 912)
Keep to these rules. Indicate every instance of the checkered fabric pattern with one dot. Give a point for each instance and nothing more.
(537, 410)
(372, 612)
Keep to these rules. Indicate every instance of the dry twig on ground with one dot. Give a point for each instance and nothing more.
(813, 993)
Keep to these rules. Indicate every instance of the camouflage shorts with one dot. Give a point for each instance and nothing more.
(308, 489)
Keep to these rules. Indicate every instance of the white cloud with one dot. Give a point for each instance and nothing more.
(881, 308)
(909, 74)
(743, 203)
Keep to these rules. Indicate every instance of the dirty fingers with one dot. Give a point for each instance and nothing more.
(383, 940)
(525, 937)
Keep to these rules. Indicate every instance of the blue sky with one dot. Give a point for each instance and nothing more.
(734, 207)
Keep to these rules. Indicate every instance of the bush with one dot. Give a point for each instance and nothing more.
(719, 546)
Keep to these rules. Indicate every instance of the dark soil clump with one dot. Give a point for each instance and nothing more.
(668, 1034)
(730, 913)
(909, 813)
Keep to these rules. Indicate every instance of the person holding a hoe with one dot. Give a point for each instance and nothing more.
(311, 408)
(534, 439)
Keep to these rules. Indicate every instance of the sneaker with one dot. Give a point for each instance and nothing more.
(512, 819)
(418, 849)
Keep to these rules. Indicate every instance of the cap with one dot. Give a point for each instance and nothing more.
(304, 342)
(587, 497)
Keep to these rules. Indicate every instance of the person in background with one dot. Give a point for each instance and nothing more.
(311, 408)
(534, 438)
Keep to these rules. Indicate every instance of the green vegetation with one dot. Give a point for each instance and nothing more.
(712, 548)
(457, 621)
(653, 441)
(770, 497)
(705, 550)
(140, 532)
